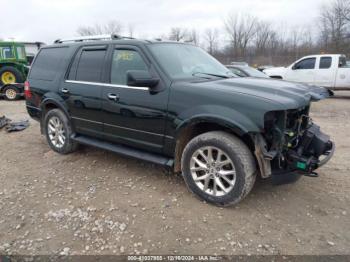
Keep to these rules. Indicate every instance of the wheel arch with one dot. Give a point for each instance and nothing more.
(200, 125)
(50, 103)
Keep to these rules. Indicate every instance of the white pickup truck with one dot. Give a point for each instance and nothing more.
(330, 71)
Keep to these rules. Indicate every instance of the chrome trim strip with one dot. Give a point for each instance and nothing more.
(108, 85)
(83, 119)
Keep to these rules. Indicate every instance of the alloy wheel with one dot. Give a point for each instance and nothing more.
(213, 171)
(56, 132)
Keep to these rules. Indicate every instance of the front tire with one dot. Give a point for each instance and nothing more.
(219, 168)
(58, 132)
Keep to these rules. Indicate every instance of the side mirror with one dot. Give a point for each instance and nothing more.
(294, 67)
(141, 78)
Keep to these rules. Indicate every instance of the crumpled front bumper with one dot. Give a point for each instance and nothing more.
(314, 150)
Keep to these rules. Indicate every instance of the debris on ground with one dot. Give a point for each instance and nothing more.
(11, 126)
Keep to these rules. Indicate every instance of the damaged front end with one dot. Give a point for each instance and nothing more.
(291, 145)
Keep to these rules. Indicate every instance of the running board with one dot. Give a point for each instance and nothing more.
(124, 150)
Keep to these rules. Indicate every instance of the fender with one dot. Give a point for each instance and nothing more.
(220, 115)
(53, 98)
(211, 114)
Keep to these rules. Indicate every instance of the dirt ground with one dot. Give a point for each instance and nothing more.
(97, 202)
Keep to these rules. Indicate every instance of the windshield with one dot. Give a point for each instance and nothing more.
(187, 61)
(254, 72)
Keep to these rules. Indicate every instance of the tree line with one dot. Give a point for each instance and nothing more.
(244, 37)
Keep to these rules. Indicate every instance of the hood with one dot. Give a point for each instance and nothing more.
(278, 92)
(275, 71)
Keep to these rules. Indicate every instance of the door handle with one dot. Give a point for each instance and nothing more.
(113, 97)
(65, 90)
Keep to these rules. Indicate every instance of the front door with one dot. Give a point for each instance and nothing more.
(303, 71)
(83, 88)
(134, 116)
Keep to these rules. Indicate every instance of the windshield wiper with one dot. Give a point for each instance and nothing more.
(209, 74)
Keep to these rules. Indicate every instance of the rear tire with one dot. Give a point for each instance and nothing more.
(18, 77)
(11, 93)
(228, 177)
(58, 132)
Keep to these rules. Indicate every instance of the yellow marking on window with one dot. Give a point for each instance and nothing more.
(125, 55)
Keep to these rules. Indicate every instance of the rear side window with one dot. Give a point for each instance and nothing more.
(308, 63)
(90, 66)
(46, 65)
(325, 62)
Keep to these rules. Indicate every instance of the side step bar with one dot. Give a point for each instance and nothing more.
(124, 150)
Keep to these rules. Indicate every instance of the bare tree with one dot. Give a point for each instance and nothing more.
(344, 8)
(241, 29)
(262, 37)
(178, 34)
(334, 25)
(112, 27)
(211, 38)
(193, 37)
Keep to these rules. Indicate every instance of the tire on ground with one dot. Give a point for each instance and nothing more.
(241, 157)
(69, 145)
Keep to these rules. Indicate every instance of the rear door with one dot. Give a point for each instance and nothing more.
(303, 71)
(342, 81)
(325, 72)
(134, 116)
(83, 87)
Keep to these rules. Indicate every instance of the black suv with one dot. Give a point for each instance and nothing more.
(173, 104)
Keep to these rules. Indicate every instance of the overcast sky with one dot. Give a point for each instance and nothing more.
(47, 20)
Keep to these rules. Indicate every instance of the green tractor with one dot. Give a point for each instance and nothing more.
(13, 69)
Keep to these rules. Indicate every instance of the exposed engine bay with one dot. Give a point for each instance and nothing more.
(292, 143)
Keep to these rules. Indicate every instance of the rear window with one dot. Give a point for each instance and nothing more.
(47, 63)
(90, 65)
(325, 62)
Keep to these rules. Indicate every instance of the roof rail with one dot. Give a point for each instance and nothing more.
(92, 38)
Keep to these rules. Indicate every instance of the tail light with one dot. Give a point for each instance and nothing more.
(27, 92)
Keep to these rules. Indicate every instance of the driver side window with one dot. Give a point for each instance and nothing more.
(123, 61)
(308, 63)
